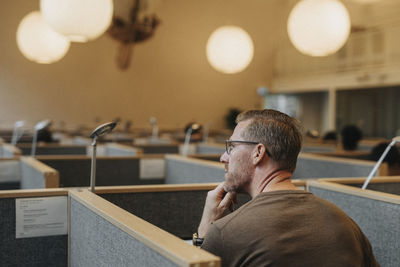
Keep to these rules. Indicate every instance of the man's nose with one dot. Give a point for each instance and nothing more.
(224, 158)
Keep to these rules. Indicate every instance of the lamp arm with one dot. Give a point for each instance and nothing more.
(187, 141)
(93, 167)
(34, 143)
(377, 165)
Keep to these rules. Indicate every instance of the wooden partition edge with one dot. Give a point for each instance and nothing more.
(193, 160)
(154, 188)
(299, 182)
(33, 193)
(341, 188)
(87, 157)
(383, 169)
(36, 164)
(10, 159)
(15, 150)
(51, 176)
(199, 156)
(336, 159)
(361, 180)
(166, 244)
(167, 187)
(52, 179)
(172, 143)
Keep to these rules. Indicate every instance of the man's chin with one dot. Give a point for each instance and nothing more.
(230, 188)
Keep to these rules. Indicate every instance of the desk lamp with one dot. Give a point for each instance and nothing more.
(16, 132)
(154, 132)
(193, 127)
(39, 126)
(394, 141)
(99, 131)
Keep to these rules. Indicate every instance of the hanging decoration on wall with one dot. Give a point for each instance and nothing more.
(229, 49)
(135, 26)
(79, 20)
(318, 27)
(38, 42)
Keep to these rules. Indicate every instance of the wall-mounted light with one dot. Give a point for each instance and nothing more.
(318, 27)
(230, 49)
(79, 20)
(38, 42)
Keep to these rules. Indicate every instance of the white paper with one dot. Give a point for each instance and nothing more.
(42, 216)
(152, 168)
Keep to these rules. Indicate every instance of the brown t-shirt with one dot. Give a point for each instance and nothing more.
(289, 228)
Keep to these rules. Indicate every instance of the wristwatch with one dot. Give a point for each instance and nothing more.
(197, 241)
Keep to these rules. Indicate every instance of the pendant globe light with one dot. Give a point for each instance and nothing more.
(38, 42)
(229, 49)
(318, 27)
(79, 20)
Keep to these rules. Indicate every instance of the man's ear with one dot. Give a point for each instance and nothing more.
(259, 153)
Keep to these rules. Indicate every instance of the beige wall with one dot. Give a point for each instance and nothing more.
(169, 76)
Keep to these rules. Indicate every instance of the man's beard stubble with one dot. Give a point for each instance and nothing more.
(237, 181)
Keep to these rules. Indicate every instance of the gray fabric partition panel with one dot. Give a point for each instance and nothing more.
(34, 251)
(161, 149)
(378, 220)
(118, 152)
(97, 242)
(390, 188)
(7, 152)
(178, 213)
(183, 172)
(61, 150)
(204, 149)
(76, 172)
(313, 168)
(31, 178)
(10, 174)
(316, 149)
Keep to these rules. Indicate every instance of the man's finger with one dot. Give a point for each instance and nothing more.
(227, 200)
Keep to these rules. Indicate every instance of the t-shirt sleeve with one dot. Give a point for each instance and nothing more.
(213, 241)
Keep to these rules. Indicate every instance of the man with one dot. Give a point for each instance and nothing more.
(281, 225)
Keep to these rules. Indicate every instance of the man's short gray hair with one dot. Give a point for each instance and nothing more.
(279, 133)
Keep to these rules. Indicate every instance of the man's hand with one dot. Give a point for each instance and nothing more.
(217, 203)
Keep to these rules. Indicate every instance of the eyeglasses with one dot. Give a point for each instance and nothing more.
(229, 145)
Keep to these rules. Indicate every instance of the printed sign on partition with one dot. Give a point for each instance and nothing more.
(41, 216)
(152, 168)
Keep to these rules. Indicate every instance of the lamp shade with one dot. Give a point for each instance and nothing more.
(318, 27)
(230, 49)
(38, 42)
(79, 20)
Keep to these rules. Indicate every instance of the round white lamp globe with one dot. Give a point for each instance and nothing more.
(229, 49)
(38, 42)
(79, 20)
(318, 27)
